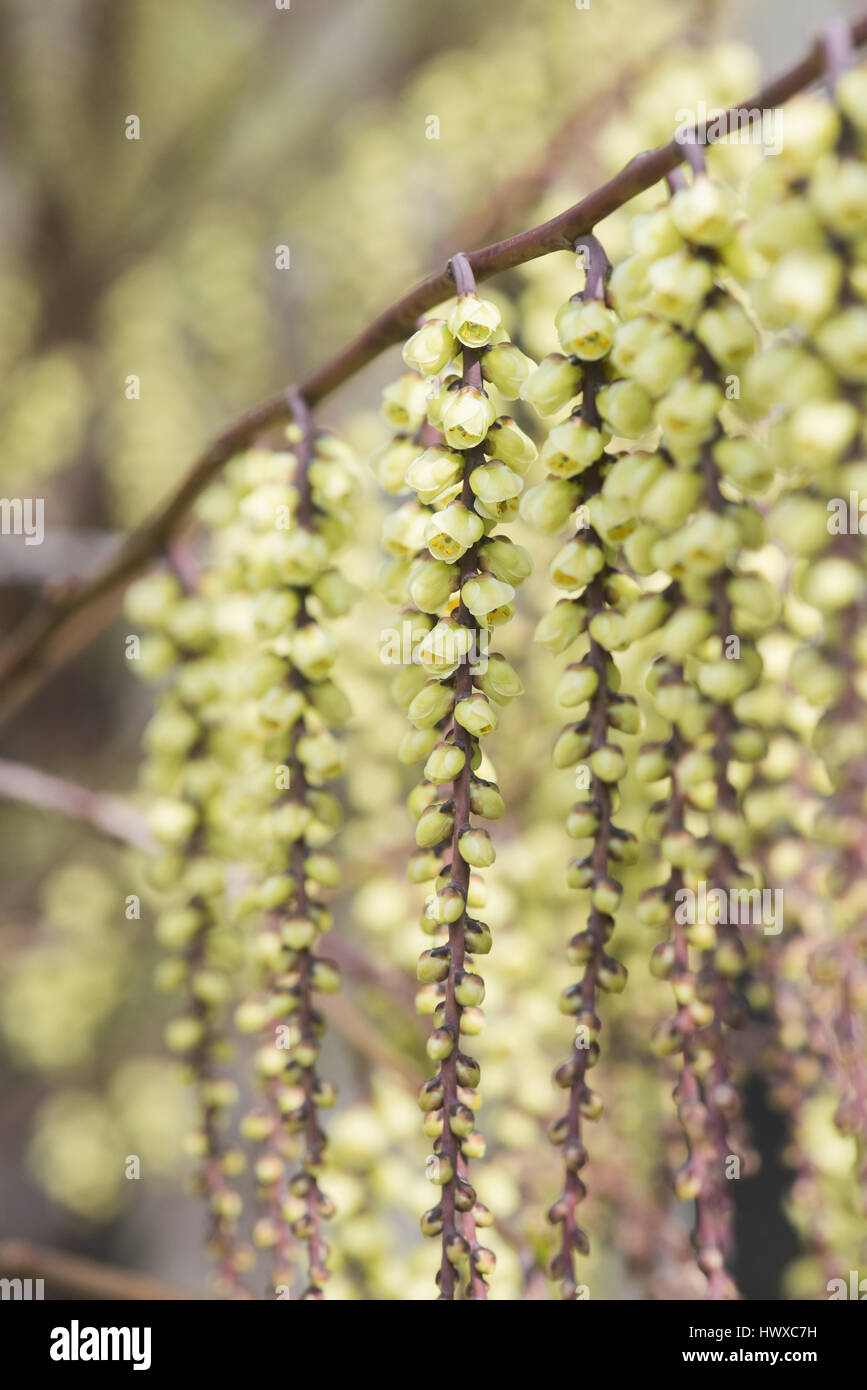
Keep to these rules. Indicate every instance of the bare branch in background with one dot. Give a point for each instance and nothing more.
(72, 1274)
(108, 814)
(62, 556)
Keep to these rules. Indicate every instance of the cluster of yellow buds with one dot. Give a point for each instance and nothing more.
(257, 757)
(809, 205)
(464, 464)
(712, 378)
(682, 511)
(182, 773)
(303, 498)
(599, 596)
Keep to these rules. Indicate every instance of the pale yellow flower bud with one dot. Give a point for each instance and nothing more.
(151, 601)
(476, 849)
(553, 384)
(500, 681)
(626, 409)
(507, 368)
(391, 462)
(477, 715)
(171, 822)
(430, 348)
(576, 564)
(572, 447)
(558, 629)
(467, 417)
(704, 212)
(688, 414)
(495, 482)
(444, 647)
(585, 330)
(488, 599)
(548, 506)
(654, 234)
(811, 128)
(403, 530)
(728, 334)
(314, 650)
(433, 472)
(474, 321)
(431, 584)
(445, 762)
(505, 560)
(509, 443)
(404, 402)
(679, 285)
(432, 703)
(577, 685)
(452, 531)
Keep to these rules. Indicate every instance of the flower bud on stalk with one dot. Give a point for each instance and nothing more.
(576, 455)
(179, 753)
(292, 817)
(469, 473)
(688, 320)
(814, 386)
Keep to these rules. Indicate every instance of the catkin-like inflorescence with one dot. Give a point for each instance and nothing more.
(686, 508)
(715, 376)
(183, 772)
(809, 206)
(458, 575)
(280, 518)
(599, 597)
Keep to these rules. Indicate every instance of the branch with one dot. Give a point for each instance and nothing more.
(19, 1259)
(72, 553)
(121, 822)
(34, 651)
(108, 814)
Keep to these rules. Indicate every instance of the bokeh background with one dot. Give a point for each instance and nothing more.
(155, 257)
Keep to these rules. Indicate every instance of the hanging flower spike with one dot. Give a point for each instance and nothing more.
(460, 578)
(298, 505)
(684, 333)
(181, 768)
(575, 453)
(815, 283)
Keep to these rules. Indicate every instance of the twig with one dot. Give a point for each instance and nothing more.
(62, 555)
(108, 814)
(120, 821)
(19, 1259)
(31, 651)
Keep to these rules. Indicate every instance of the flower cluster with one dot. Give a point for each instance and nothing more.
(246, 745)
(684, 511)
(276, 571)
(810, 227)
(600, 595)
(704, 469)
(182, 771)
(459, 576)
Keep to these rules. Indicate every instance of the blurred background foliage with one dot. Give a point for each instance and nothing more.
(156, 257)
